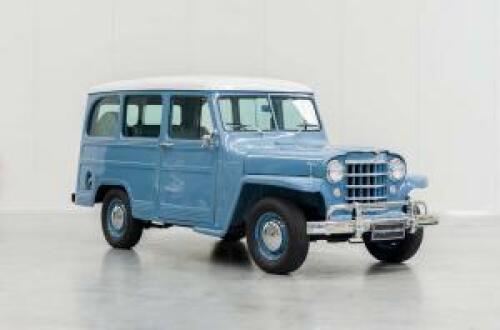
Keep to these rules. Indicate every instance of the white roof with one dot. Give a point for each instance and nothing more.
(192, 83)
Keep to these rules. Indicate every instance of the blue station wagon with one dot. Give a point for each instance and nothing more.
(236, 157)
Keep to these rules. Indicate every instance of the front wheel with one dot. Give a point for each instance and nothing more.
(395, 251)
(120, 229)
(277, 235)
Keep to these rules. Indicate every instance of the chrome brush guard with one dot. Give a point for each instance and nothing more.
(416, 216)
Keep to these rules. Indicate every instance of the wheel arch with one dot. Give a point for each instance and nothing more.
(103, 189)
(311, 202)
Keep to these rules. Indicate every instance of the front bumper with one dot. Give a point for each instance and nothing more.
(415, 217)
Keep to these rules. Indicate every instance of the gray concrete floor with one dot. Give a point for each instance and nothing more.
(56, 272)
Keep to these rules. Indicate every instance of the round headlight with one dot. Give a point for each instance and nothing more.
(335, 171)
(397, 169)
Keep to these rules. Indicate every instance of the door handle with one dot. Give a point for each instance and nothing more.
(166, 144)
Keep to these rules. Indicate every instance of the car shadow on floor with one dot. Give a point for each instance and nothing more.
(387, 268)
(231, 254)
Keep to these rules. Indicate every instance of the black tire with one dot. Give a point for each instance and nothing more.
(292, 224)
(129, 234)
(395, 251)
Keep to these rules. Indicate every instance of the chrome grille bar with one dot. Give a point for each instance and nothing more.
(366, 198)
(364, 161)
(367, 174)
(366, 181)
(365, 185)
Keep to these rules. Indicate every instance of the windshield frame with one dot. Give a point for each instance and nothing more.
(268, 95)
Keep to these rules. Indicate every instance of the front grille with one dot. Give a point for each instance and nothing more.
(366, 181)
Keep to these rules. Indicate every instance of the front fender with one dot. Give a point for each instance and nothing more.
(300, 183)
(297, 183)
(411, 182)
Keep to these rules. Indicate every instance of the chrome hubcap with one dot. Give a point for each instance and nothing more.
(117, 217)
(272, 236)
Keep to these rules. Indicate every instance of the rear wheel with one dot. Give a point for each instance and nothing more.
(120, 229)
(395, 251)
(277, 236)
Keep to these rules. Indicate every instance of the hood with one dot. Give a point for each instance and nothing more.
(291, 154)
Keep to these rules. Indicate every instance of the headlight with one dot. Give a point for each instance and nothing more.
(335, 171)
(397, 169)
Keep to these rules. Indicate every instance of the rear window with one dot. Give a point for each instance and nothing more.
(105, 116)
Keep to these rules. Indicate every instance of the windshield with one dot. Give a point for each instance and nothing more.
(254, 113)
(294, 113)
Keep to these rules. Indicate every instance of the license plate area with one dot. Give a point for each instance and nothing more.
(388, 231)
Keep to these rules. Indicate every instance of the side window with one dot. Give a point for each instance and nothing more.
(143, 116)
(190, 117)
(105, 115)
(227, 113)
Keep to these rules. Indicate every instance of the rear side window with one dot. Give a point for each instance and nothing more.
(105, 115)
(143, 116)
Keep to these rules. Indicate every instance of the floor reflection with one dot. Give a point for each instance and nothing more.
(169, 282)
(230, 253)
(388, 283)
(120, 265)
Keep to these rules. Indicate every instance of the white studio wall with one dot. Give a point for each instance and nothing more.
(419, 76)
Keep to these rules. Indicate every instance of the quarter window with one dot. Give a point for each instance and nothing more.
(190, 117)
(143, 116)
(105, 115)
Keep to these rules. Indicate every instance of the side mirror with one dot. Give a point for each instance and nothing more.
(209, 141)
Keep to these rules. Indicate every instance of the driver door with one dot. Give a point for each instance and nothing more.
(188, 167)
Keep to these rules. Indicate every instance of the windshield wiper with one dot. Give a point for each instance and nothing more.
(305, 125)
(243, 127)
